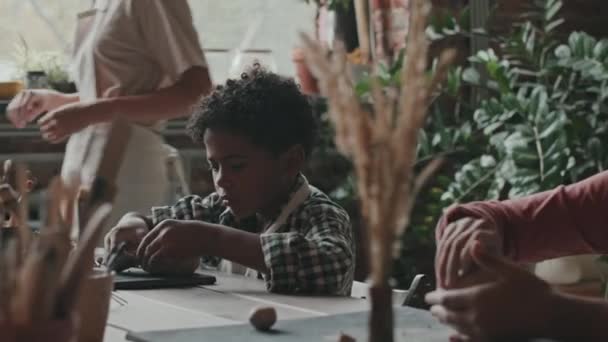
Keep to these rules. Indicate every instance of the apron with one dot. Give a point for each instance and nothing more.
(298, 198)
(142, 180)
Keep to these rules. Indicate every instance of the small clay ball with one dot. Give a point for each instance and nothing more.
(263, 317)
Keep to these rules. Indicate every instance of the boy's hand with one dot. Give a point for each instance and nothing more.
(453, 263)
(172, 244)
(130, 229)
(518, 304)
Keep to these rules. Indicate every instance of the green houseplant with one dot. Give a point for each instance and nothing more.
(545, 115)
(52, 63)
(540, 125)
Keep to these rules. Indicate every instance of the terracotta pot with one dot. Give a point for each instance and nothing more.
(93, 306)
(49, 331)
(308, 83)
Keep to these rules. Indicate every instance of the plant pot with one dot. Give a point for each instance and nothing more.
(63, 87)
(47, 331)
(9, 89)
(308, 83)
(93, 306)
(381, 323)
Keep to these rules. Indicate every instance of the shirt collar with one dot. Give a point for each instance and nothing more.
(257, 222)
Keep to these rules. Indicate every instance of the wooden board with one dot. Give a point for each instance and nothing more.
(137, 279)
(136, 313)
(413, 325)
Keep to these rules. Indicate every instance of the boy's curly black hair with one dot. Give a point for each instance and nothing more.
(262, 106)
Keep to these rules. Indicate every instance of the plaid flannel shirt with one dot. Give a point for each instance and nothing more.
(312, 252)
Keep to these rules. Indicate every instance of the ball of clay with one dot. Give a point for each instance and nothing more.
(262, 318)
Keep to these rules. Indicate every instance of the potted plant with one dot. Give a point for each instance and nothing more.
(50, 65)
(340, 16)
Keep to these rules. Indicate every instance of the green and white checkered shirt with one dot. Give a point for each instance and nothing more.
(312, 252)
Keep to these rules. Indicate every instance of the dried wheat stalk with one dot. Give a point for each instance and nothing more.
(382, 143)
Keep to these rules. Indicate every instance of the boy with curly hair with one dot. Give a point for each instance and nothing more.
(263, 217)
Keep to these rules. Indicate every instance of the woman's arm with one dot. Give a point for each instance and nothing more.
(565, 221)
(568, 220)
(516, 305)
(163, 104)
(167, 103)
(31, 103)
(61, 99)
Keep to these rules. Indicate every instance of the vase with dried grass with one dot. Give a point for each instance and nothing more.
(41, 277)
(382, 144)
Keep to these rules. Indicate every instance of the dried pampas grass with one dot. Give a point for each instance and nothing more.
(382, 140)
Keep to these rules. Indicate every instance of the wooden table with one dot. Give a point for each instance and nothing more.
(226, 303)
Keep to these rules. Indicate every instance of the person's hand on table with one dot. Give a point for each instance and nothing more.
(131, 229)
(516, 304)
(454, 265)
(173, 246)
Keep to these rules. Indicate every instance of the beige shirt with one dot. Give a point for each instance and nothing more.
(135, 46)
(129, 47)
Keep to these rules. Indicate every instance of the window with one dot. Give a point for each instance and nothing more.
(47, 26)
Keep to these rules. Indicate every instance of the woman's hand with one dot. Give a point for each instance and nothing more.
(517, 304)
(454, 263)
(31, 103)
(57, 125)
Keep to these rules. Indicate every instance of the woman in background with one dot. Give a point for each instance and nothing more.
(137, 61)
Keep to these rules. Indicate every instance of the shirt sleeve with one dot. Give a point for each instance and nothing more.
(319, 261)
(568, 220)
(189, 208)
(168, 32)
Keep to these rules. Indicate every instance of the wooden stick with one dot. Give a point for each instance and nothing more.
(8, 264)
(79, 264)
(362, 14)
(55, 230)
(44, 298)
(382, 144)
(22, 212)
(7, 168)
(30, 288)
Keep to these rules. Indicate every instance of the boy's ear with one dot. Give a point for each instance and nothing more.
(293, 160)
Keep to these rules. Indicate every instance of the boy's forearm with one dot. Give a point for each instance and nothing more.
(578, 318)
(235, 245)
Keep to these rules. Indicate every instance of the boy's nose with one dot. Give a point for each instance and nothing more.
(222, 181)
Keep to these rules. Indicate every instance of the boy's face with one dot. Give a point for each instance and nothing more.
(248, 177)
